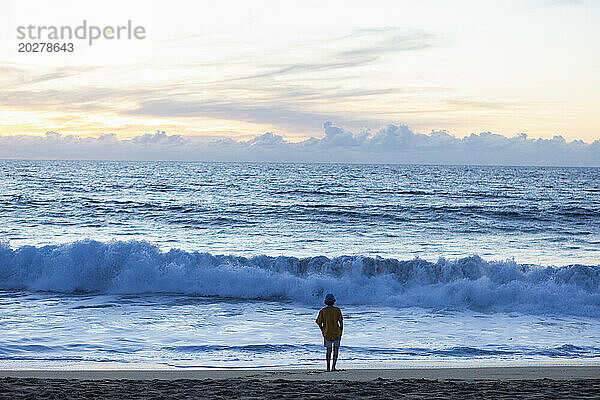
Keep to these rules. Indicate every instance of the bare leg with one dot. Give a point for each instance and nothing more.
(329, 358)
(336, 349)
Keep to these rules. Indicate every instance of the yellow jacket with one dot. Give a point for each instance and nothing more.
(331, 323)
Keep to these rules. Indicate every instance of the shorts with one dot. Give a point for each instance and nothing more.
(329, 343)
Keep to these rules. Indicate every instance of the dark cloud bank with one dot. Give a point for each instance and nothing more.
(392, 144)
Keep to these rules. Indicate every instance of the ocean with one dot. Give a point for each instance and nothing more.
(192, 264)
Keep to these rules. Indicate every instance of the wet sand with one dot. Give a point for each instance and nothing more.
(313, 374)
(491, 382)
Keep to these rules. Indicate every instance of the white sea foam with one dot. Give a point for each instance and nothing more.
(140, 267)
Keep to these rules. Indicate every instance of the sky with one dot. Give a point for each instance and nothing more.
(279, 80)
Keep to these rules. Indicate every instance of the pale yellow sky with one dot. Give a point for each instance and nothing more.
(238, 69)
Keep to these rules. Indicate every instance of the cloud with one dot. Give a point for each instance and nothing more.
(267, 139)
(18, 75)
(361, 47)
(297, 90)
(390, 40)
(276, 114)
(160, 138)
(390, 144)
(65, 100)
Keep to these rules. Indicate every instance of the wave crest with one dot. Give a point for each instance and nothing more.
(139, 267)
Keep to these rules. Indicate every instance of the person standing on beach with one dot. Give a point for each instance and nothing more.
(331, 323)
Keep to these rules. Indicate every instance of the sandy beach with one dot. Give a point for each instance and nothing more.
(489, 382)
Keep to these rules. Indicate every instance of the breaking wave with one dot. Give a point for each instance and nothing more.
(135, 267)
